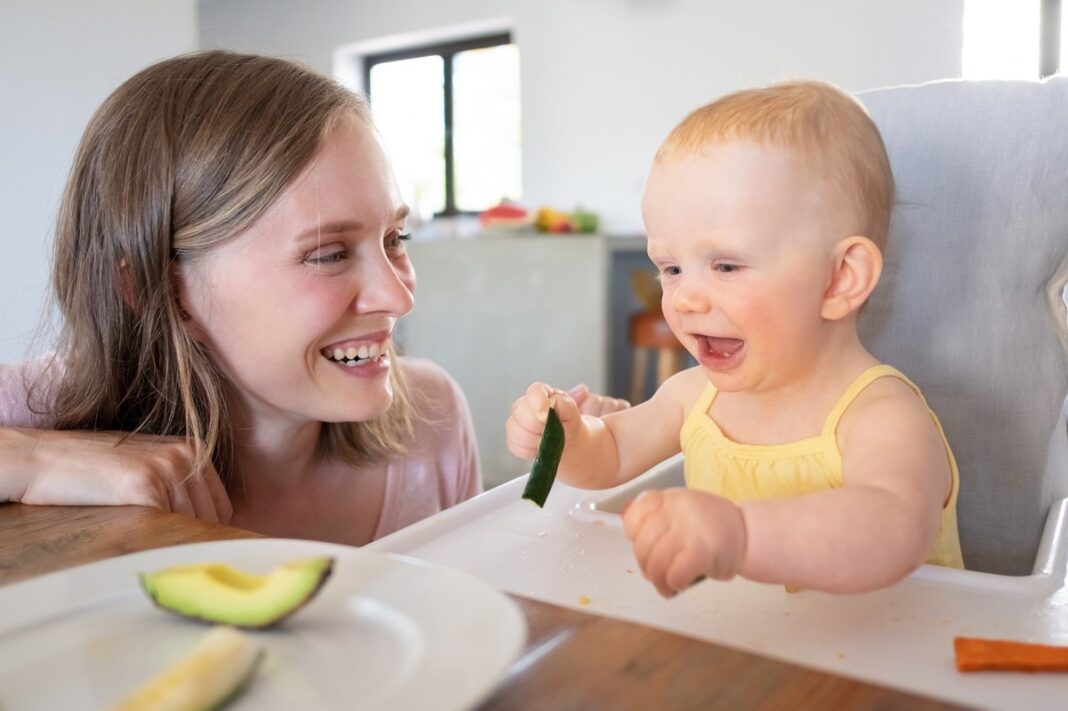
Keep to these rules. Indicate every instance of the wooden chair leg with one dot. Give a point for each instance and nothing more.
(666, 364)
(637, 375)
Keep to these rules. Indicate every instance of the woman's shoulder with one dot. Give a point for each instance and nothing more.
(443, 467)
(423, 371)
(433, 391)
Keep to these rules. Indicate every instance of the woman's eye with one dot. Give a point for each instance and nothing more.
(323, 258)
(395, 242)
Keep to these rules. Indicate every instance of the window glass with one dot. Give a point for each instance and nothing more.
(409, 109)
(486, 121)
(1001, 39)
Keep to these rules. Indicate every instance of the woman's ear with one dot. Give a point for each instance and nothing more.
(191, 324)
(855, 272)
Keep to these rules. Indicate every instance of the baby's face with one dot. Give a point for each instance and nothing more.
(743, 241)
(322, 276)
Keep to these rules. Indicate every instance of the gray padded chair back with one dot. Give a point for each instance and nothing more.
(971, 303)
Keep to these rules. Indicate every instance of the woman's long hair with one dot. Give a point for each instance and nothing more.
(182, 156)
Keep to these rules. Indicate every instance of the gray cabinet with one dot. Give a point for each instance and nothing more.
(499, 312)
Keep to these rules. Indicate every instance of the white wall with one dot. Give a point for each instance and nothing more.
(58, 61)
(604, 80)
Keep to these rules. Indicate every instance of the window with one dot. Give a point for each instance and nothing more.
(1012, 39)
(449, 115)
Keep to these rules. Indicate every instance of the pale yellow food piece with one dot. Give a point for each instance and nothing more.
(216, 670)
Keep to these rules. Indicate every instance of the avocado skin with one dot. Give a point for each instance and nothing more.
(154, 586)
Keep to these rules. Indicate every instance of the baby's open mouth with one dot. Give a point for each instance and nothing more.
(352, 355)
(720, 347)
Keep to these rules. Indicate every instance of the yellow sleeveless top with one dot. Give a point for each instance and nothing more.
(744, 472)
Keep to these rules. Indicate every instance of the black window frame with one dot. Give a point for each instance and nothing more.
(447, 51)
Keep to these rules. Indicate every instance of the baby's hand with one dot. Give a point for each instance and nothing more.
(527, 421)
(594, 404)
(680, 535)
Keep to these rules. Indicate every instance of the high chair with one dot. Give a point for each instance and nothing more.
(648, 332)
(971, 304)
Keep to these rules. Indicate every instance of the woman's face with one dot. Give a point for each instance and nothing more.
(299, 309)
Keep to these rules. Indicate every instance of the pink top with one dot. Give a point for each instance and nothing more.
(441, 470)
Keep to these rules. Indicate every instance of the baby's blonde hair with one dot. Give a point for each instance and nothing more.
(825, 124)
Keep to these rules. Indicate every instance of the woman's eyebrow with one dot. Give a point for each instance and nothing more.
(339, 227)
(343, 226)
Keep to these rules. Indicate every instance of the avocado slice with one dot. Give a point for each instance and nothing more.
(211, 676)
(215, 592)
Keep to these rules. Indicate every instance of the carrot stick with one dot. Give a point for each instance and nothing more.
(1002, 655)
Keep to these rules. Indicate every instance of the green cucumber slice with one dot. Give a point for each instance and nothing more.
(543, 472)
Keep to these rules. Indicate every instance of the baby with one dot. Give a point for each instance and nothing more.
(807, 462)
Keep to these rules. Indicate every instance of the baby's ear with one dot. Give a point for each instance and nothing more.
(855, 269)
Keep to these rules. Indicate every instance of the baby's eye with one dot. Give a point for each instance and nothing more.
(669, 272)
(726, 268)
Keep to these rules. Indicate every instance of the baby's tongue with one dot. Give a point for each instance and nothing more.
(723, 347)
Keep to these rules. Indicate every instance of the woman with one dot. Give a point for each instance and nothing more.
(230, 266)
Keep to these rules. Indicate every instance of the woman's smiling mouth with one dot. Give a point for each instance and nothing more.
(356, 352)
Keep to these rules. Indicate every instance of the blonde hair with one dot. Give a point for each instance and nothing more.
(182, 156)
(823, 123)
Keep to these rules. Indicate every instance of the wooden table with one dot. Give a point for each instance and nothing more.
(572, 660)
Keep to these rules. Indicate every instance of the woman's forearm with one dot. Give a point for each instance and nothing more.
(16, 453)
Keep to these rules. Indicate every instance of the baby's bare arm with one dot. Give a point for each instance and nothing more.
(647, 434)
(878, 527)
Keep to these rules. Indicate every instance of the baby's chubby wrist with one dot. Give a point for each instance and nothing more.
(743, 535)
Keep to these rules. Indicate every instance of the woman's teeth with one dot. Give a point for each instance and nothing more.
(353, 356)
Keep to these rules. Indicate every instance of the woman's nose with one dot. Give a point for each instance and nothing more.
(386, 287)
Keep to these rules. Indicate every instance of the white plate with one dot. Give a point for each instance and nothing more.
(385, 632)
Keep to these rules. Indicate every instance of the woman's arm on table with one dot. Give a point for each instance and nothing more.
(80, 468)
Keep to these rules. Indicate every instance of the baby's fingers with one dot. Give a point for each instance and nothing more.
(658, 560)
(594, 404)
(522, 441)
(537, 400)
(637, 511)
(683, 570)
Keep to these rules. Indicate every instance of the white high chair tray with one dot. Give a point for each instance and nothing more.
(573, 553)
